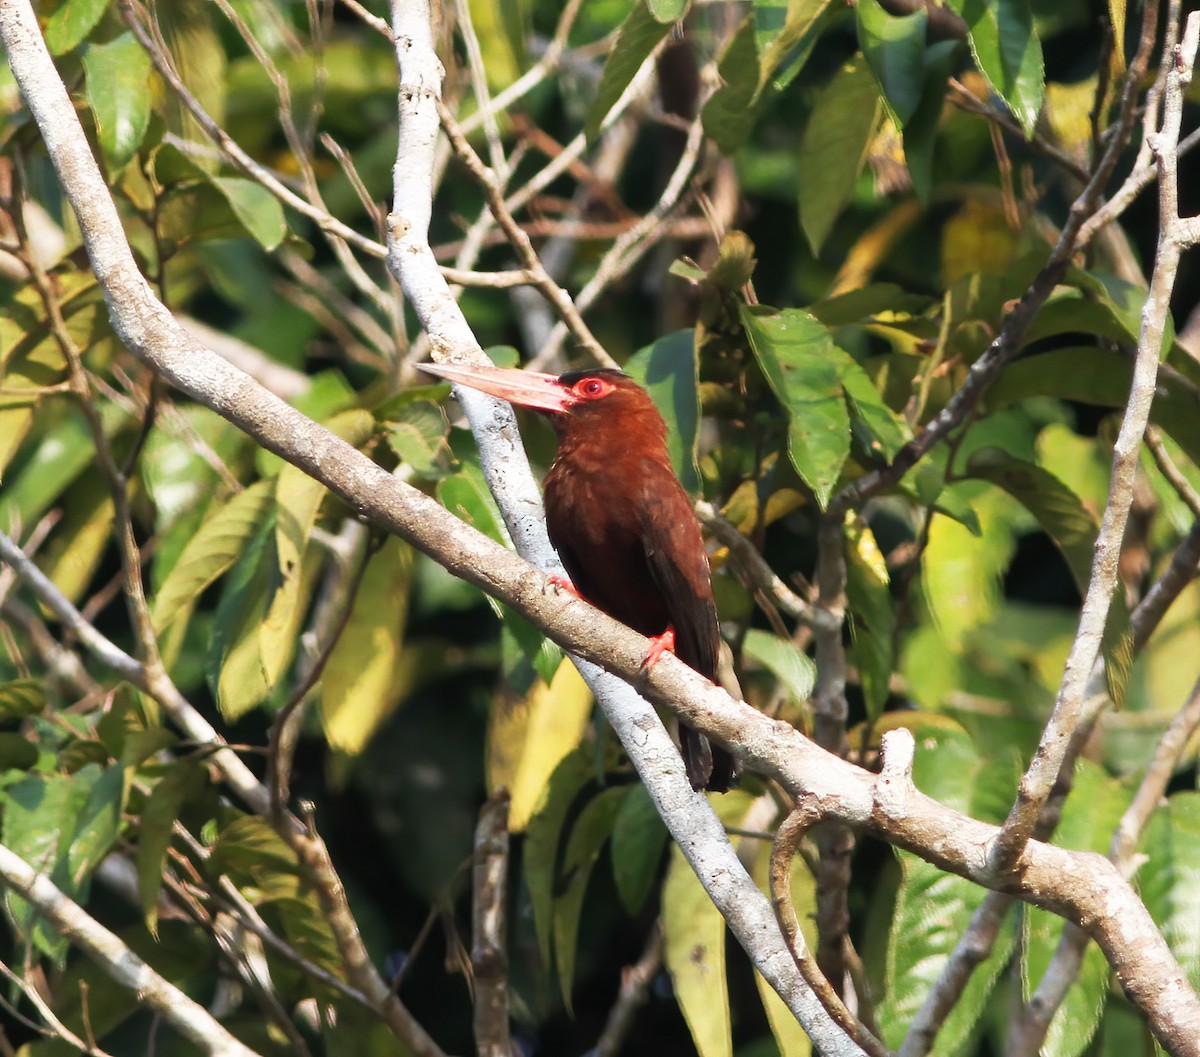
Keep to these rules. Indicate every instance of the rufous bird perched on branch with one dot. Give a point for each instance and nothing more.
(622, 523)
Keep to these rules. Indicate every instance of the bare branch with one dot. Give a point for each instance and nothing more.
(489, 946)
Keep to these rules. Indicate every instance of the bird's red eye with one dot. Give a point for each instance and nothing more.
(592, 388)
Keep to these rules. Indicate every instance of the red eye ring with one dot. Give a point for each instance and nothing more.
(592, 388)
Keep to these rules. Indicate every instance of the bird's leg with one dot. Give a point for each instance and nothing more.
(564, 584)
(660, 644)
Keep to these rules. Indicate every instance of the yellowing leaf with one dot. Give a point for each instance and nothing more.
(534, 737)
(364, 679)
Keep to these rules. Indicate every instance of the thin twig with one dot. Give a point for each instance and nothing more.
(489, 944)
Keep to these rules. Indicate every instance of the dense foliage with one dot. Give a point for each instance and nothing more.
(800, 227)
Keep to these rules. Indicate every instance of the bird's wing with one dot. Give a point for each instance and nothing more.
(678, 566)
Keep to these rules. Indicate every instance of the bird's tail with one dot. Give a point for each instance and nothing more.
(707, 766)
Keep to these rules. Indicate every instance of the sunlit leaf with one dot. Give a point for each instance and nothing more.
(258, 211)
(546, 726)
(1090, 816)
(219, 543)
(1170, 878)
(668, 10)
(118, 91)
(794, 670)
(796, 356)
(70, 22)
(1008, 53)
(787, 32)
(364, 678)
(872, 615)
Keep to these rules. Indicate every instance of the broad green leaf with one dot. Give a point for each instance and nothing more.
(787, 31)
(1007, 51)
(70, 22)
(99, 822)
(219, 543)
(525, 653)
(894, 47)
(529, 738)
(234, 665)
(1065, 519)
(885, 302)
(872, 615)
(844, 117)
(667, 371)
(22, 698)
(589, 834)
(668, 10)
(933, 908)
(364, 679)
(638, 839)
(417, 434)
(638, 37)
(729, 113)
(247, 847)
(118, 91)
(1090, 816)
(465, 494)
(921, 129)
(797, 358)
(794, 669)
(542, 838)
(258, 211)
(877, 428)
(1170, 878)
(17, 752)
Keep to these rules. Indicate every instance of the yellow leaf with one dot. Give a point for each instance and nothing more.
(529, 738)
(365, 680)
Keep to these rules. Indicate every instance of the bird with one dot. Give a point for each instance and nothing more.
(622, 522)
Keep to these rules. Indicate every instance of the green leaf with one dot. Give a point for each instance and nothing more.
(872, 616)
(797, 358)
(540, 859)
(638, 37)
(364, 679)
(921, 129)
(1008, 53)
(793, 668)
(1063, 517)
(894, 47)
(118, 92)
(1170, 878)
(70, 22)
(417, 434)
(667, 371)
(256, 209)
(465, 494)
(844, 117)
(184, 779)
(17, 752)
(729, 114)
(221, 540)
(787, 30)
(638, 839)
(877, 428)
(668, 11)
(933, 908)
(589, 834)
(22, 698)
(1090, 816)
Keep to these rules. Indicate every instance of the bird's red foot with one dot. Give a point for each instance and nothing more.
(660, 644)
(563, 584)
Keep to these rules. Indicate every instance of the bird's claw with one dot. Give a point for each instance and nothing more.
(561, 583)
(659, 644)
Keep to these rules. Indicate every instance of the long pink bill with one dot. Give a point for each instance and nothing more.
(525, 388)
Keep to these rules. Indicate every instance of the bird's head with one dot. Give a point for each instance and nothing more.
(575, 402)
